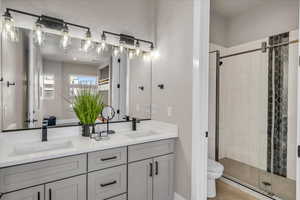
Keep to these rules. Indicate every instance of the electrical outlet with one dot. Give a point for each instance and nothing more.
(170, 111)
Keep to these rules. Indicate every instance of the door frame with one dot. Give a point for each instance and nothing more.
(298, 119)
(201, 15)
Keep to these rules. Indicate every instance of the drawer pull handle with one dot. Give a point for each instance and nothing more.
(156, 168)
(39, 196)
(108, 184)
(111, 158)
(50, 194)
(151, 170)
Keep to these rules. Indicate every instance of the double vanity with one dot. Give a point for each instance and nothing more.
(133, 165)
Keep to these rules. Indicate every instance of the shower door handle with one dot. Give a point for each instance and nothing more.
(299, 151)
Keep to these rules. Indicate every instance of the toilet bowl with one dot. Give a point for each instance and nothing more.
(214, 171)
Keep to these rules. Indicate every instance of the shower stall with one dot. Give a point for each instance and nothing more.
(253, 113)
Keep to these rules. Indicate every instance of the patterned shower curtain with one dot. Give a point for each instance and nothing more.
(278, 105)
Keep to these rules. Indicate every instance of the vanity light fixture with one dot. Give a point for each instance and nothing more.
(137, 48)
(98, 48)
(132, 44)
(103, 41)
(121, 46)
(131, 54)
(39, 34)
(65, 40)
(9, 30)
(87, 43)
(116, 51)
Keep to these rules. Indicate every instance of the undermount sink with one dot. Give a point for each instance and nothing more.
(37, 147)
(139, 134)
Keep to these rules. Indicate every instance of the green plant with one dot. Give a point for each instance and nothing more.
(87, 105)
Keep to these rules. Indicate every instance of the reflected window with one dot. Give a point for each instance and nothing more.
(76, 81)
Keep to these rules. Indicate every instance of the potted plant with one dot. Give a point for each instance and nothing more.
(87, 105)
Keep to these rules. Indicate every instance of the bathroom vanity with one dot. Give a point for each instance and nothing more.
(134, 165)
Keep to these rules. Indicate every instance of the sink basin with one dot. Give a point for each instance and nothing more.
(139, 134)
(37, 147)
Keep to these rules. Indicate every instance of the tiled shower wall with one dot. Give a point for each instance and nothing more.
(244, 106)
(278, 105)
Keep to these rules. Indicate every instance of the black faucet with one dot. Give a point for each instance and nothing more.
(45, 131)
(134, 122)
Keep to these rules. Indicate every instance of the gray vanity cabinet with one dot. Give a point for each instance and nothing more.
(163, 178)
(140, 180)
(67, 189)
(34, 193)
(151, 179)
(137, 172)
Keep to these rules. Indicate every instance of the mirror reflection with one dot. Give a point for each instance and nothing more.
(39, 81)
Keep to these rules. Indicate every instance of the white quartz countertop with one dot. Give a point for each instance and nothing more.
(9, 142)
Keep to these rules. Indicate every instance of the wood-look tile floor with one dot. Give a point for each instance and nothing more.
(227, 192)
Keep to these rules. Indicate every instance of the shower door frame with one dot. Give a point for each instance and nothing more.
(263, 49)
(298, 120)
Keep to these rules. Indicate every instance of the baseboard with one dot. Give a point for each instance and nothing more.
(178, 197)
(246, 190)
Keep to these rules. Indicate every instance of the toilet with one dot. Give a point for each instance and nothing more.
(214, 171)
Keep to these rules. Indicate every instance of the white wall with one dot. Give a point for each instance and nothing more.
(218, 29)
(263, 21)
(174, 70)
(292, 107)
(254, 24)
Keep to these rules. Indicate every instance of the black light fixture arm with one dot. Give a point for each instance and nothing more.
(8, 10)
(129, 37)
(22, 12)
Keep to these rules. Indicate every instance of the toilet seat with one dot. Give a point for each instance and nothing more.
(214, 167)
(214, 171)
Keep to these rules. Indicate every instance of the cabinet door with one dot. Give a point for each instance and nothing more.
(140, 180)
(34, 193)
(67, 189)
(163, 178)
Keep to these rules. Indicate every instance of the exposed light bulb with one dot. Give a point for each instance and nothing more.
(146, 56)
(9, 31)
(103, 41)
(39, 34)
(116, 51)
(87, 43)
(137, 48)
(131, 54)
(154, 54)
(65, 41)
(99, 48)
(122, 46)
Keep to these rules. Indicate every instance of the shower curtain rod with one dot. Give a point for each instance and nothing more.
(263, 48)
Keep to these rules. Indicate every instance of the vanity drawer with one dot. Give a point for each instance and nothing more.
(107, 183)
(107, 158)
(149, 150)
(22, 176)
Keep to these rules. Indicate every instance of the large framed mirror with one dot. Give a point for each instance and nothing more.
(38, 81)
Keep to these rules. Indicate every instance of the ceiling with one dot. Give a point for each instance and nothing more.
(233, 8)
